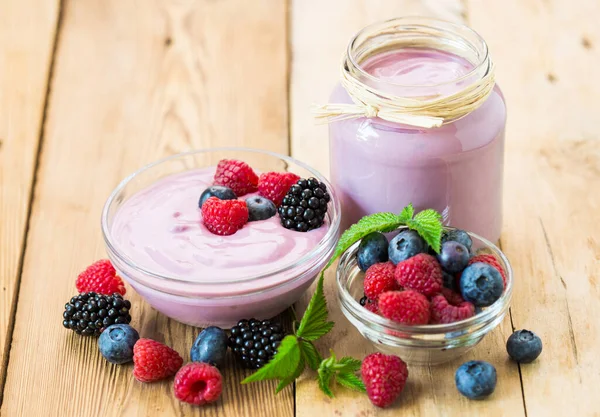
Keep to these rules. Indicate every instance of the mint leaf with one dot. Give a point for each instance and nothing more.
(289, 379)
(342, 371)
(284, 363)
(407, 213)
(428, 224)
(310, 354)
(378, 222)
(314, 323)
(351, 381)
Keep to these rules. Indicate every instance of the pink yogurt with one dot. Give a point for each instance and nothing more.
(212, 279)
(456, 169)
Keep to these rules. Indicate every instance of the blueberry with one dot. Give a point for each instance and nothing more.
(481, 284)
(405, 245)
(457, 235)
(210, 347)
(260, 208)
(476, 379)
(524, 346)
(373, 249)
(222, 193)
(116, 343)
(449, 281)
(453, 257)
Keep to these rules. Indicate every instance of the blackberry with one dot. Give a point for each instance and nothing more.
(305, 205)
(255, 342)
(88, 314)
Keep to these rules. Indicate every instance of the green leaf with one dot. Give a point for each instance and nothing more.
(348, 364)
(407, 213)
(351, 381)
(310, 354)
(284, 363)
(288, 380)
(378, 222)
(314, 323)
(324, 378)
(428, 224)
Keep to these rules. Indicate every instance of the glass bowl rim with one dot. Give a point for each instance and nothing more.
(329, 239)
(368, 318)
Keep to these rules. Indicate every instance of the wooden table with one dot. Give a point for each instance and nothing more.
(90, 90)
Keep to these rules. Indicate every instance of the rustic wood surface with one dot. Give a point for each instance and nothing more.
(91, 90)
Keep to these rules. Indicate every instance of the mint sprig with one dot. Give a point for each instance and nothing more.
(297, 350)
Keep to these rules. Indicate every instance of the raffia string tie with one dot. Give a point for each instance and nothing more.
(421, 111)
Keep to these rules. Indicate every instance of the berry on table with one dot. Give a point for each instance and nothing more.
(421, 273)
(224, 217)
(100, 277)
(443, 312)
(219, 191)
(380, 278)
(255, 342)
(373, 249)
(524, 346)
(406, 307)
(153, 361)
(260, 208)
(116, 343)
(198, 384)
(457, 235)
(210, 346)
(405, 245)
(476, 379)
(236, 175)
(88, 314)
(384, 377)
(481, 284)
(453, 257)
(488, 258)
(275, 185)
(304, 206)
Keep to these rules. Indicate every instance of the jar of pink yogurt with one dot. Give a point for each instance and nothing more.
(455, 168)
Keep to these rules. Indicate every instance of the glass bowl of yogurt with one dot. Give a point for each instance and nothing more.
(430, 344)
(155, 238)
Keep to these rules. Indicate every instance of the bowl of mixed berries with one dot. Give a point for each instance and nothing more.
(425, 306)
(211, 236)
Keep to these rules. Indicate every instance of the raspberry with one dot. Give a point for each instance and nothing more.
(421, 273)
(100, 277)
(453, 297)
(406, 307)
(275, 185)
(224, 217)
(198, 383)
(379, 278)
(384, 377)
(153, 361)
(372, 306)
(491, 260)
(236, 175)
(444, 312)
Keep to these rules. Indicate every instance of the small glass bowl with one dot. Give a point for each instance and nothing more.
(205, 300)
(426, 344)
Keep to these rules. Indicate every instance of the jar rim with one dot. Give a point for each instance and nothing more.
(368, 318)
(326, 244)
(479, 69)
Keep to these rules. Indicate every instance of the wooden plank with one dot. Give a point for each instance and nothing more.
(26, 40)
(321, 31)
(546, 53)
(135, 81)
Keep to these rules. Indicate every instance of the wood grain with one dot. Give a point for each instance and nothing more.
(546, 54)
(26, 40)
(319, 39)
(135, 81)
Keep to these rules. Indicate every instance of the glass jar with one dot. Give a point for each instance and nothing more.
(456, 169)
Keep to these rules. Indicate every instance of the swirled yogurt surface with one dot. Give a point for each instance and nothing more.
(160, 229)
